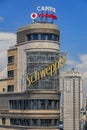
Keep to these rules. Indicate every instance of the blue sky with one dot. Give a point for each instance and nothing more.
(72, 20)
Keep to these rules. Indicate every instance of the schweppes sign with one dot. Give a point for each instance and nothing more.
(48, 71)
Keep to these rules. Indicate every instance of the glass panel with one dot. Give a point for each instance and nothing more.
(11, 59)
(10, 73)
(10, 88)
(55, 38)
(29, 37)
(49, 36)
(3, 121)
(38, 61)
(42, 104)
(35, 36)
(43, 36)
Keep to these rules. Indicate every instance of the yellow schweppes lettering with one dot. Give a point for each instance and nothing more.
(48, 71)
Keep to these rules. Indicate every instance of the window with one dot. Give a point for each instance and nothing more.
(46, 122)
(55, 38)
(56, 122)
(42, 104)
(29, 37)
(35, 36)
(10, 88)
(34, 122)
(34, 104)
(10, 59)
(56, 104)
(3, 121)
(21, 122)
(43, 37)
(49, 104)
(49, 36)
(10, 73)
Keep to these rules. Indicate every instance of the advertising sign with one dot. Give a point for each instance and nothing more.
(44, 14)
(48, 71)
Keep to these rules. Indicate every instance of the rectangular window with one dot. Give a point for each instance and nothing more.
(10, 59)
(55, 38)
(29, 37)
(49, 36)
(10, 88)
(46, 122)
(34, 122)
(10, 73)
(3, 121)
(42, 104)
(43, 36)
(49, 105)
(35, 36)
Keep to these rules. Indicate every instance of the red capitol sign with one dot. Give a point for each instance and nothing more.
(44, 12)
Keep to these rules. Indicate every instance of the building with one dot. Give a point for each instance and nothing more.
(32, 99)
(84, 116)
(71, 100)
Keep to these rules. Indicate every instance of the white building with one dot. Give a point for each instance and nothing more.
(72, 99)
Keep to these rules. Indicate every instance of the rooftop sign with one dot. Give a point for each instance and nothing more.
(44, 14)
(46, 8)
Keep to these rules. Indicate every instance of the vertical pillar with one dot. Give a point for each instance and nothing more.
(7, 121)
(0, 121)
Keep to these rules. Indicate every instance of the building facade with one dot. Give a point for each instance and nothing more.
(36, 104)
(72, 94)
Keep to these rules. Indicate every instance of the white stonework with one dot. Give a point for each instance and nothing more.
(71, 100)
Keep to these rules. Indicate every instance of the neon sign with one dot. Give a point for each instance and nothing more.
(47, 16)
(48, 71)
(46, 8)
(44, 14)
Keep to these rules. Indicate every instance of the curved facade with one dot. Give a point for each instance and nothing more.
(39, 44)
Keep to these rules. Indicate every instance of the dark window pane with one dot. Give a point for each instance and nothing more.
(35, 36)
(10, 73)
(34, 122)
(46, 122)
(42, 104)
(49, 36)
(11, 59)
(49, 104)
(43, 36)
(29, 37)
(10, 88)
(55, 38)
(3, 121)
